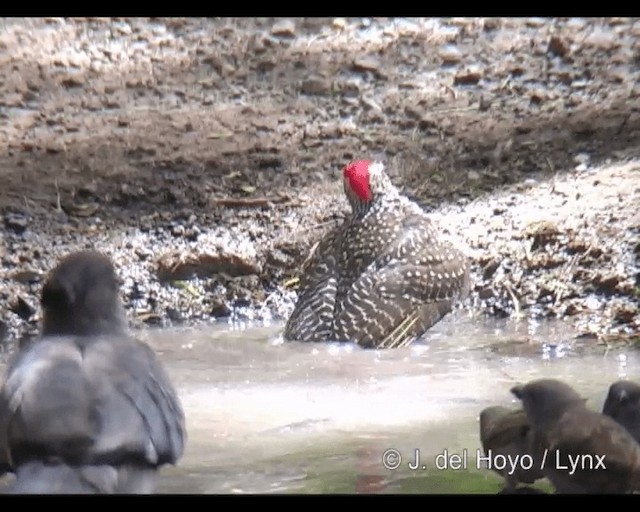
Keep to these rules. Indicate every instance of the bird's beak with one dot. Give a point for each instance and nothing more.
(517, 391)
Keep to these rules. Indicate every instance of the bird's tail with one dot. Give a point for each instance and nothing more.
(47, 478)
(402, 335)
(415, 324)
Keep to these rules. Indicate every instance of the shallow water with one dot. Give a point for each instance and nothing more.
(268, 417)
(263, 416)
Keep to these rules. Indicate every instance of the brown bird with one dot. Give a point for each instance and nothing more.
(86, 408)
(623, 405)
(584, 451)
(506, 433)
(383, 277)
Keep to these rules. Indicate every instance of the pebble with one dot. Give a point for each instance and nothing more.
(316, 86)
(173, 314)
(23, 309)
(558, 46)
(78, 60)
(26, 276)
(469, 76)
(339, 23)
(575, 23)
(17, 222)
(220, 310)
(536, 22)
(123, 29)
(365, 64)
(71, 81)
(601, 39)
(284, 28)
(450, 55)
(581, 158)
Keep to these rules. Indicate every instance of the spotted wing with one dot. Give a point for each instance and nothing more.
(410, 287)
(312, 316)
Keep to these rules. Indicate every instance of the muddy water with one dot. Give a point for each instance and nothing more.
(270, 417)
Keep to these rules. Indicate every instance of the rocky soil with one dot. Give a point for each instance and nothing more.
(204, 156)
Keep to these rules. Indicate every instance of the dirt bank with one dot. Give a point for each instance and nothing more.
(203, 154)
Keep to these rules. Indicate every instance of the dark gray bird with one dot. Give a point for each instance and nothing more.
(507, 433)
(87, 408)
(623, 405)
(384, 276)
(586, 452)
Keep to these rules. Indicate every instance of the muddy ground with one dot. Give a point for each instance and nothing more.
(204, 156)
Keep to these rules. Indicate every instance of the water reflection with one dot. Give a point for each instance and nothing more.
(263, 416)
